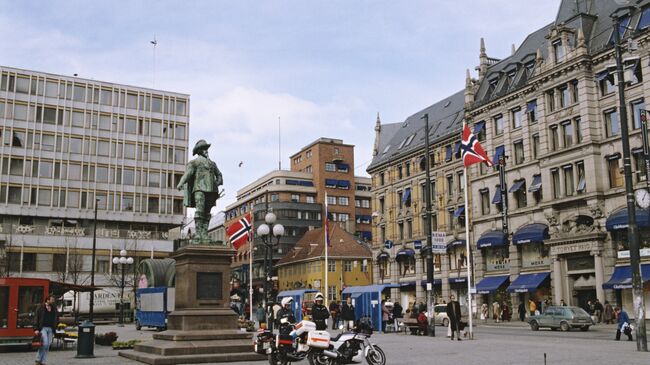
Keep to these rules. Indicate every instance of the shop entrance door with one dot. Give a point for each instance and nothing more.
(585, 295)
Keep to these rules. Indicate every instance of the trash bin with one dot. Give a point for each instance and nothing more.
(86, 340)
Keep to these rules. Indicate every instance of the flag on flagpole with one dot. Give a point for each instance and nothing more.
(327, 225)
(472, 151)
(239, 231)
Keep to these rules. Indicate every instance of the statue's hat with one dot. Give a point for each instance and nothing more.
(199, 146)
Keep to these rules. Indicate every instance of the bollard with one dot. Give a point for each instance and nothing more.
(86, 340)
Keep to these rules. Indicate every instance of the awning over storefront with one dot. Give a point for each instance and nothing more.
(618, 219)
(534, 232)
(404, 253)
(383, 256)
(455, 243)
(491, 239)
(435, 282)
(622, 277)
(490, 284)
(527, 282)
(458, 280)
(407, 283)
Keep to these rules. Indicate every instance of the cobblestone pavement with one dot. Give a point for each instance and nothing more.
(503, 344)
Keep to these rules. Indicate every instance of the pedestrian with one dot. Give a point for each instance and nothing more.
(347, 314)
(47, 318)
(335, 313)
(423, 307)
(397, 314)
(623, 324)
(319, 312)
(505, 312)
(484, 312)
(261, 316)
(423, 323)
(522, 311)
(385, 315)
(609, 313)
(598, 310)
(496, 311)
(414, 310)
(532, 307)
(562, 303)
(454, 315)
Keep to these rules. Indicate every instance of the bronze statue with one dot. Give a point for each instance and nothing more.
(202, 179)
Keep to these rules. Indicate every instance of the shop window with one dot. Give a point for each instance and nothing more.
(30, 298)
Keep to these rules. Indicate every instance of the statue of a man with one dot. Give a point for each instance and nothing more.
(202, 179)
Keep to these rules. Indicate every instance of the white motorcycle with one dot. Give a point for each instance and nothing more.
(297, 344)
(349, 348)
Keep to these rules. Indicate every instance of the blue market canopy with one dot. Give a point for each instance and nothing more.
(490, 284)
(455, 243)
(622, 277)
(618, 219)
(534, 232)
(404, 254)
(528, 282)
(491, 239)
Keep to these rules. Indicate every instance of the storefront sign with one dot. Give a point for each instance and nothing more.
(626, 254)
(571, 248)
(534, 254)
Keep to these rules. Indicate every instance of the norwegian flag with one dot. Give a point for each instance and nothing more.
(472, 152)
(239, 232)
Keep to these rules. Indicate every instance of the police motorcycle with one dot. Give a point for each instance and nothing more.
(293, 343)
(350, 348)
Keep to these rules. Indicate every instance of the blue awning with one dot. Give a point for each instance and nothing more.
(497, 196)
(404, 253)
(407, 283)
(490, 284)
(331, 182)
(497, 153)
(478, 127)
(343, 184)
(516, 186)
(343, 166)
(458, 280)
(435, 282)
(368, 288)
(622, 277)
(455, 243)
(618, 219)
(527, 282)
(536, 185)
(491, 239)
(459, 211)
(383, 256)
(531, 106)
(449, 154)
(406, 195)
(602, 75)
(306, 183)
(534, 232)
(297, 292)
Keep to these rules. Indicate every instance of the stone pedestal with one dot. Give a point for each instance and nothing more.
(202, 328)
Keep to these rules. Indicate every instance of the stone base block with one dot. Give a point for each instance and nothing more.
(190, 359)
(202, 319)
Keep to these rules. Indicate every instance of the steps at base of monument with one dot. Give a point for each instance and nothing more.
(153, 359)
(172, 335)
(173, 348)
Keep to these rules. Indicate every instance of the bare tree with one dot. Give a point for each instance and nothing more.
(5, 262)
(72, 272)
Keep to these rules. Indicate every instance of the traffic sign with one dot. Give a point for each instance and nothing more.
(388, 244)
(417, 244)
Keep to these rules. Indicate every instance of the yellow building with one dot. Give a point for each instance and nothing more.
(349, 261)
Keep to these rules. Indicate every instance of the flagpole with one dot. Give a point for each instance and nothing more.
(469, 278)
(326, 294)
(250, 267)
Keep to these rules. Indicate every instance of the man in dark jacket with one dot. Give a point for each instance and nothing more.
(347, 314)
(397, 314)
(335, 312)
(454, 315)
(285, 312)
(623, 324)
(319, 312)
(46, 320)
(522, 311)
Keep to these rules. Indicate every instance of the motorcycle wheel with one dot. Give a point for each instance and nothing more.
(317, 358)
(376, 356)
(273, 359)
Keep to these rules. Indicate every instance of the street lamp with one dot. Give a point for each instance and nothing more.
(266, 233)
(122, 261)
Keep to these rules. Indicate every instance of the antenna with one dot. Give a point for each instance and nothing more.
(155, 43)
(279, 146)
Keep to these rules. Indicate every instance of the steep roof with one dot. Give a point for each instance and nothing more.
(312, 245)
(445, 119)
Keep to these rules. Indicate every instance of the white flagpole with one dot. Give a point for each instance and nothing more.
(250, 269)
(469, 278)
(326, 294)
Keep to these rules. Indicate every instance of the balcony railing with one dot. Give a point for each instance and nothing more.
(23, 229)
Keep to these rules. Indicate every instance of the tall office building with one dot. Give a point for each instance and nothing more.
(68, 142)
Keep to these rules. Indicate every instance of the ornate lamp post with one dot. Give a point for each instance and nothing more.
(122, 261)
(266, 233)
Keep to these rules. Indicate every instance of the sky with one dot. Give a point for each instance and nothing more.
(323, 68)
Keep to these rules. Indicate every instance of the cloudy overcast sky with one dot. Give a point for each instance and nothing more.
(324, 67)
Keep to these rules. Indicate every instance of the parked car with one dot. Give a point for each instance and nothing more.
(441, 314)
(564, 318)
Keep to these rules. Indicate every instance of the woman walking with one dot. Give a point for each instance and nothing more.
(46, 320)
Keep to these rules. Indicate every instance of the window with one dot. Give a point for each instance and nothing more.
(15, 193)
(330, 167)
(310, 199)
(568, 180)
(606, 82)
(128, 177)
(127, 203)
(331, 292)
(535, 145)
(381, 179)
(558, 49)
(461, 182)
(611, 123)
(331, 266)
(567, 133)
(73, 199)
(44, 196)
(152, 205)
(400, 226)
(555, 141)
(615, 177)
(347, 266)
(45, 169)
(18, 139)
(399, 171)
(381, 204)
(557, 189)
(582, 182)
(22, 85)
(407, 166)
(449, 153)
(573, 87)
(295, 198)
(103, 148)
(331, 200)
(520, 194)
(519, 152)
(638, 107)
(450, 185)
(409, 228)
(102, 174)
(550, 100)
(343, 200)
(516, 117)
(485, 201)
(565, 96)
(633, 73)
(75, 145)
(274, 197)
(16, 167)
(498, 124)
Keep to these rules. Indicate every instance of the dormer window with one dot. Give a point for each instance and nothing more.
(493, 85)
(558, 47)
(623, 22)
(530, 67)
